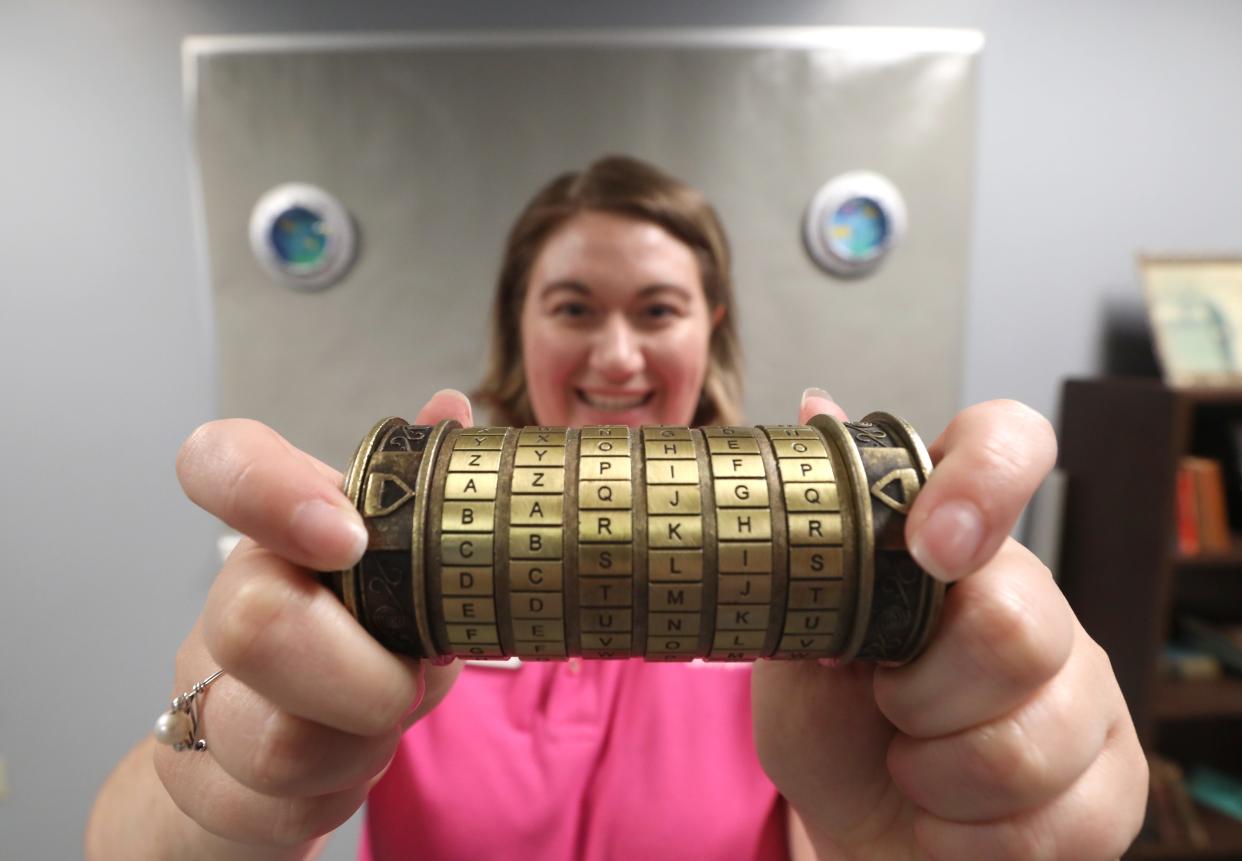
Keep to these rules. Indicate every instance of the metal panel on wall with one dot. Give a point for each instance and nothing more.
(433, 143)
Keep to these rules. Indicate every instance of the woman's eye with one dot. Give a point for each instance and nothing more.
(659, 313)
(573, 310)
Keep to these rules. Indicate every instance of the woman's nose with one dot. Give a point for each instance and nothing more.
(617, 354)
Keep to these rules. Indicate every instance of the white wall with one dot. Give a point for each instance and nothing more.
(1106, 128)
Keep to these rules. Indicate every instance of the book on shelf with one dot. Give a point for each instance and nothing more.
(1202, 516)
(1177, 818)
(1230, 449)
(1183, 806)
(1178, 661)
(1216, 789)
(1223, 640)
(1160, 804)
(1187, 513)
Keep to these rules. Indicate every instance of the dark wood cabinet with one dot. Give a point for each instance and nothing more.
(1120, 444)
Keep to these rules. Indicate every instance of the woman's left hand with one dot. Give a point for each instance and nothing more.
(1008, 737)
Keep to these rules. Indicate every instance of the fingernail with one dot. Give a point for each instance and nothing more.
(442, 660)
(330, 532)
(378, 777)
(419, 693)
(814, 393)
(948, 540)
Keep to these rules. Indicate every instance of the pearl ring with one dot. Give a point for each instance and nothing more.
(178, 726)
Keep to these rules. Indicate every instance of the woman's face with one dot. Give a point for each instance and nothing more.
(615, 326)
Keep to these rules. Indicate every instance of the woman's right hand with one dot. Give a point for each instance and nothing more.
(311, 708)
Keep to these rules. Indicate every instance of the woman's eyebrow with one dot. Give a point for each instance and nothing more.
(565, 284)
(655, 289)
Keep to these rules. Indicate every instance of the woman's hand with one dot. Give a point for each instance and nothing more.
(311, 708)
(1008, 737)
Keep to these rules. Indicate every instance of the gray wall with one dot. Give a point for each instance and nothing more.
(1105, 128)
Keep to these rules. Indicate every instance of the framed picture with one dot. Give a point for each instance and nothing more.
(1195, 306)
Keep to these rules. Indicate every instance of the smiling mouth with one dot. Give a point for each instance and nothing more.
(614, 403)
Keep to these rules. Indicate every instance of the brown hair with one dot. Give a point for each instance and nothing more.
(625, 186)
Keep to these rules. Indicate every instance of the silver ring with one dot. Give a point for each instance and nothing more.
(178, 726)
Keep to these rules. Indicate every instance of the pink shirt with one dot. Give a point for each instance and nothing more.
(581, 760)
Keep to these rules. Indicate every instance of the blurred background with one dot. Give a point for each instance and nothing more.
(1084, 135)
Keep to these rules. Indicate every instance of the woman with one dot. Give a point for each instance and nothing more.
(1007, 738)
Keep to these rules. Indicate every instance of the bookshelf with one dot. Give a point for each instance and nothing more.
(1121, 440)
(1176, 699)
